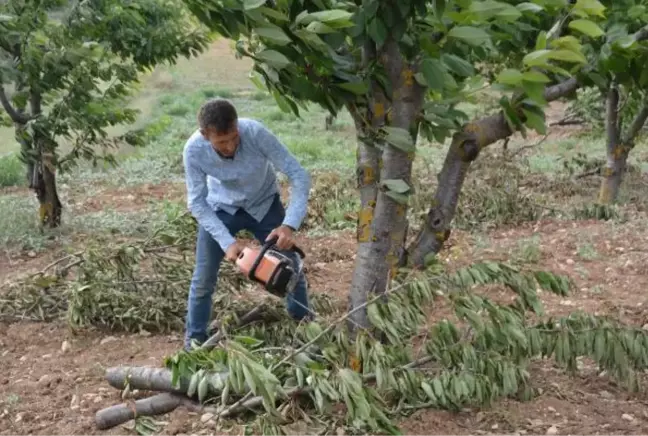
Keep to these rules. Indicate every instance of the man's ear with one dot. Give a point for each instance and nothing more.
(203, 132)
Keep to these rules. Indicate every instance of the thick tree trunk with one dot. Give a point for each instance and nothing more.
(464, 149)
(381, 229)
(618, 148)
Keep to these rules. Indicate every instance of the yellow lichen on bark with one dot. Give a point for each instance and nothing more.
(365, 218)
(619, 151)
(408, 77)
(605, 194)
(45, 211)
(368, 175)
(378, 110)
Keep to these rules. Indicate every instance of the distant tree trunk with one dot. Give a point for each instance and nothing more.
(382, 222)
(618, 148)
(41, 169)
(464, 149)
(45, 187)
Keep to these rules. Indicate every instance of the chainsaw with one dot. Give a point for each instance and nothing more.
(275, 271)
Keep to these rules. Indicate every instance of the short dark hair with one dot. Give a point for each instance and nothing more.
(218, 114)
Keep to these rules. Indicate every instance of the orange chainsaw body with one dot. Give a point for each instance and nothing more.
(272, 269)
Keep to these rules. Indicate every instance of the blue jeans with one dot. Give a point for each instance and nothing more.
(209, 256)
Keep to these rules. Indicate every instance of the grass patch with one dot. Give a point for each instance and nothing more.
(19, 228)
(12, 171)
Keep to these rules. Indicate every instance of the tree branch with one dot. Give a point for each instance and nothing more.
(16, 116)
(641, 34)
(636, 125)
(466, 146)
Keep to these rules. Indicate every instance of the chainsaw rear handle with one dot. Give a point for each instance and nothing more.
(273, 241)
(266, 246)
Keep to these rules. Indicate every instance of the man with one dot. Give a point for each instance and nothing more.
(231, 185)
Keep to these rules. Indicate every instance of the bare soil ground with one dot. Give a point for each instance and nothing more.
(45, 390)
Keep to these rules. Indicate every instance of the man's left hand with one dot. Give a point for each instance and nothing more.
(284, 235)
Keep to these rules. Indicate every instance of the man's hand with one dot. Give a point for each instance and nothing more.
(233, 251)
(284, 235)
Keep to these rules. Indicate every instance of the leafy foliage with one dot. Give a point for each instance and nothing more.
(313, 51)
(481, 355)
(69, 66)
(133, 286)
(66, 70)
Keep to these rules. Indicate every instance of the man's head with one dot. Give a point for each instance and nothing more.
(217, 120)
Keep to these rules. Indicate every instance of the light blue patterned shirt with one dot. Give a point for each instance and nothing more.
(247, 181)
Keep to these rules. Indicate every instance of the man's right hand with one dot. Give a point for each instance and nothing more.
(233, 251)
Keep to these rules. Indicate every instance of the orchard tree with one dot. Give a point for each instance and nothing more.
(66, 68)
(621, 60)
(401, 68)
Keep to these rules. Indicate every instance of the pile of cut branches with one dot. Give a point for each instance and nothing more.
(132, 286)
(284, 372)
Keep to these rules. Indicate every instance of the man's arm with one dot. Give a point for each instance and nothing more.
(300, 181)
(196, 181)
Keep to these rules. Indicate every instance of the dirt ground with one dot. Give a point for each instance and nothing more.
(47, 387)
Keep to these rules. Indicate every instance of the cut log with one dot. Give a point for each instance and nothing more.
(160, 380)
(147, 378)
(157, 405)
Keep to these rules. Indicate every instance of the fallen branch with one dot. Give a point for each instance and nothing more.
(157, 405)
(150, 378)
(592, 172)
(158, 379)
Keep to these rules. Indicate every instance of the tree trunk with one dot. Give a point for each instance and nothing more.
(45, 187)
(618, 148)
(464, 149)
(381, 229)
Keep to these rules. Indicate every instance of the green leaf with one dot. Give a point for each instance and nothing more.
(274, 59)
(535, 76)
(439, 8)
(331, 15)
(434, 73)
(510, 76)
(587, 27)
(398, 198)
(529, 7)
(358, 88)
(396, 185)
(535, 91)
(318, 27)
(541, 41)
(535, 121)
(537, 58)
(253, 4)
(275, 34)
(458, 65)
(471, 35)
(567, 56)
(589, 7)
(399, 138)
(335, 18)
(203, 389)
(377, 31)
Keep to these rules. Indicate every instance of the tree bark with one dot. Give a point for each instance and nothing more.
(367, 120)
(464, 149)
(118, 414)
(382, 230)
(618, 148)
(50, 209)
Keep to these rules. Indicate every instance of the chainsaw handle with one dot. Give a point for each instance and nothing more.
(273, 241)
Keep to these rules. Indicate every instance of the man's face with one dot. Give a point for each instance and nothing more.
(225, 144)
